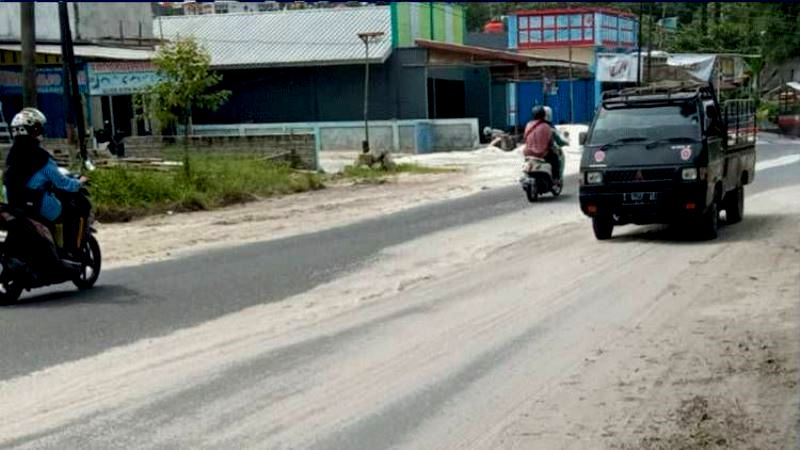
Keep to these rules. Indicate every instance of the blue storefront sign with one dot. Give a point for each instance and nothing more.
(48, 81)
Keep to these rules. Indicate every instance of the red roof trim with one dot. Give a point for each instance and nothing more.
(582, 10)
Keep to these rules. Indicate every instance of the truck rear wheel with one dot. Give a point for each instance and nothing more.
(603, 226)
(734, 205)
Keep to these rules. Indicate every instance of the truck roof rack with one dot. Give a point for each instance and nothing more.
(667, 89)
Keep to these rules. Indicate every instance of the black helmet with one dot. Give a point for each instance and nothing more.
(538, 112)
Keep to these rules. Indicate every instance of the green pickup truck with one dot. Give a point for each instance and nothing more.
(667, 155)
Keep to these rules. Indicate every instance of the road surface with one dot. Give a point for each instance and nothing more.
(482, 322)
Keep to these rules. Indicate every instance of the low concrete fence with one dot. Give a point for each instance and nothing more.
(298, 148)
(407, 136)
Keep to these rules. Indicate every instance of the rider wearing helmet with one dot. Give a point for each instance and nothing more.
(538, 135)
(32, 180)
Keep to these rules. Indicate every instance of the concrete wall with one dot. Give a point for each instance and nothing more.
(393, 135)
(89, 21)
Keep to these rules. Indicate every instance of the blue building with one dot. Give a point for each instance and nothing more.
(576, 34)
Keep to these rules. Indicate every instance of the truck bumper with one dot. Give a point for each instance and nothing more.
(645, 203)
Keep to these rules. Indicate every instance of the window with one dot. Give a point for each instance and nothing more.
(547, 30)
(654, 122)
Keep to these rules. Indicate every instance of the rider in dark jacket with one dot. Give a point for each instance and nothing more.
(32, 179)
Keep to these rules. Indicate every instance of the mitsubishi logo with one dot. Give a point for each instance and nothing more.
(638, 176)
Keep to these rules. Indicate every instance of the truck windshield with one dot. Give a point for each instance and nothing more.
(652, 123)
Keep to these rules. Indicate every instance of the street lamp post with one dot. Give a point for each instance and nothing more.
(367, 38)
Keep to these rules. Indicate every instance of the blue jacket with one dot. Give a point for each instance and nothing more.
(46, 179)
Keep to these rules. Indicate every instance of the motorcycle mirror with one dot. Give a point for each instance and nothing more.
(582, 138)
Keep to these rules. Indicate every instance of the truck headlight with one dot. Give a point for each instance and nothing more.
(689, 174)
(594, 177)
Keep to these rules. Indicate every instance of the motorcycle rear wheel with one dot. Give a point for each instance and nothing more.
(532, 191)
(92, 261)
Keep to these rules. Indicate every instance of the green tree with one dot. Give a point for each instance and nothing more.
(186, 84)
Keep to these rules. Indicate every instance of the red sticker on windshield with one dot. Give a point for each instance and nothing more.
(599, 156)
(686, 153)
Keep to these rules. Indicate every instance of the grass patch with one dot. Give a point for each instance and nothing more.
(124, 193)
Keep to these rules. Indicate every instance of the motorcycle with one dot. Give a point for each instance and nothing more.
(21, 272)
(537, 177)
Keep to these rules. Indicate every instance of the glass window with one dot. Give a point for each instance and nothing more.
(575, 34)
(656, 122)
(549, 36)
(587, 34)
(523, 37)
(563, 34)
(523, 23)
(588, 20)
(575, 20)
(536, 22)
(536, 36)
(563, 21)
(549, 21)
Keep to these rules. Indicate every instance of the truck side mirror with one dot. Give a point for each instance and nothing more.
(582, 138)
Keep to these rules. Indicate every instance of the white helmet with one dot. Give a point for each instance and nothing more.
(28, 122)
(548, 113)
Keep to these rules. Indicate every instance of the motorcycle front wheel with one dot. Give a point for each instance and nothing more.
(90, 264)
(557, 188)
(10, 292)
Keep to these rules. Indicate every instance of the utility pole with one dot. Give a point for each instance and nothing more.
(366, 38)
(650, 45)
(28, 38)
(67, 54)
(639, 53)
(571, 80)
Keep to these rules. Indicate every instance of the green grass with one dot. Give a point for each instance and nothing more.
(124, 193)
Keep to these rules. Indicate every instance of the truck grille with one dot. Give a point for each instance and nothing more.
(637, 175)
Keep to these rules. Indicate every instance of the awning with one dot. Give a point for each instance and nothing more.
(90, 51)
(504, 65)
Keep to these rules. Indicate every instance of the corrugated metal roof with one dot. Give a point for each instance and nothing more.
(90, 51)
(285, 38)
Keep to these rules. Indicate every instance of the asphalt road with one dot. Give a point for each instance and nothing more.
(57, 325)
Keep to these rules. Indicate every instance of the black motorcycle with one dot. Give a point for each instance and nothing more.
(30, 259)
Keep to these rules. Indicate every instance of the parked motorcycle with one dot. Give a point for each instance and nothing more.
(25, 235)
(537, 177)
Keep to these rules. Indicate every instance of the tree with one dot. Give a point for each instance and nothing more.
(186, 84)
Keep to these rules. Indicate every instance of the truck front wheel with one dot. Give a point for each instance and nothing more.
(709, 222)
(734, 207)
(603, 226)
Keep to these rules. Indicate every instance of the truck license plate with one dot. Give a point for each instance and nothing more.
(639, 197)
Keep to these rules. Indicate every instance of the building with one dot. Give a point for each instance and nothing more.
(108, 38)
(307, 66)
(574, 34)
